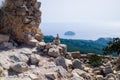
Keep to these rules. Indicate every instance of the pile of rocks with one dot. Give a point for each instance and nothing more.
(20, 20)
(51, 61)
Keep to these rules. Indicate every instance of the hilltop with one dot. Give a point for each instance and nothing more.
(84, 46)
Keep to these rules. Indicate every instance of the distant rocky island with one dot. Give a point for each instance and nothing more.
(69, 33)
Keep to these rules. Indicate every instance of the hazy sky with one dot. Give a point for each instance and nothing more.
(99, 16)
(91, 11)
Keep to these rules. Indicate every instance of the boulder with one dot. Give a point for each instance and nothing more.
(110, 77)
(37, 13)
(6, 45)
(77, 78)
(87, 76)
(53, 52)
(76, 55)
(60, 61)
(37, 5)
(118, 75)
(83, 74)
(19, 67)
(26, 20)
(108, 68)
(62, 72)
(68, 63)
(4, 38)
(42, 45)
(77, 64)
(78, 72)
(68, 56)
(39, 38)
(21, 11)
(99, 77)
(50, 76)
(34, 77)
(1, 72)
(18, 3)
(19, 58)
(64, 49)
(26, 52)
(34, 59)
(48, 46)
(5, 61)
(32, 42)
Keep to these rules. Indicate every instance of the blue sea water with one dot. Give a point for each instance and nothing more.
(82, 30)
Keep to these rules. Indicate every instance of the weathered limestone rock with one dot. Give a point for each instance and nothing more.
(19, 67)
(37, 5)
(110, 77)
(77, 64)
(68, 63)
(19, 58)
(34, 59)
(19, 3)
(75, 55)
(38, 37)
(20, 11)
(64, 49)
(5, 62)
(118, 75)
(99, 77)
(76, 78)
(26, 52)
(6, 45)
(4, 38)
(108, 68)
(60, 61)
(1, 72)
(62, 72)
(53, 52)
(82, 73)
(42, 45)
(50, 76)
(33, 42)
(34, 77)
(20, 18)
(78, 72)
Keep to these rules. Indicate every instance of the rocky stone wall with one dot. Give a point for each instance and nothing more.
(20, 19)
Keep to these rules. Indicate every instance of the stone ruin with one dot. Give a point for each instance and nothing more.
(20, 20)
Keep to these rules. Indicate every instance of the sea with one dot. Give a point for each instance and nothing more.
(82, 30)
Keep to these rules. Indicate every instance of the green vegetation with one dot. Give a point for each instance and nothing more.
(95, 60)
(84, 46)
(113, 47)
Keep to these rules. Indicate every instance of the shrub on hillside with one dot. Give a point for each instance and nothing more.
(95, 60)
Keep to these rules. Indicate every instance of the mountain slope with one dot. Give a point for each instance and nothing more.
(84, 46)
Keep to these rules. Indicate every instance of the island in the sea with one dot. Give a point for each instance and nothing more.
(69, 33)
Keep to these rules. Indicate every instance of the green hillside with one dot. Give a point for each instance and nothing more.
(84, 46)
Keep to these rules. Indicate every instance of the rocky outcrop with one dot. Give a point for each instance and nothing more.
(19, 67)
(34, 63)
(20, 19)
